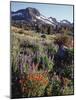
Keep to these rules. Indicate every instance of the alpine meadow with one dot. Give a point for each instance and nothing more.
(42, 50)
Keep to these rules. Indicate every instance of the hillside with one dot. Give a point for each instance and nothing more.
(33, 60)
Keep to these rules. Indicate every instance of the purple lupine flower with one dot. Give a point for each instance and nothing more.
(20, 64)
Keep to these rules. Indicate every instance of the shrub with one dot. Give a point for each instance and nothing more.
(51, 50)
(36, 59)
(20, 31)
(26, 68)
(68, 72)
(70, 58)
(63, 40)
(48, 63)
(56, 88)
(68, 90)
(35, 47)
(43, 36)
(48, 90)
(34, 85)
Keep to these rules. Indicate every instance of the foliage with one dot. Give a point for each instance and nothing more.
(43, 36)
(68, 90)
(34, 85)
(63, 39)
(33, 65)
(68, 72)
(56, 88)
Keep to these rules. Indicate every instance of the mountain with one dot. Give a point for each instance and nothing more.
(27, 14)
(31, 17)
(53, 20)
(66, 23)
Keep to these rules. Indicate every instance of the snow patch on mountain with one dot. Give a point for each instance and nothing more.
(44, 19)
(17, 14)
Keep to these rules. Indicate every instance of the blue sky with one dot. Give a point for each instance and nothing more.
(59, 12)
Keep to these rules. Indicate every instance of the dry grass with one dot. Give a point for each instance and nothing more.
(31, 35)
